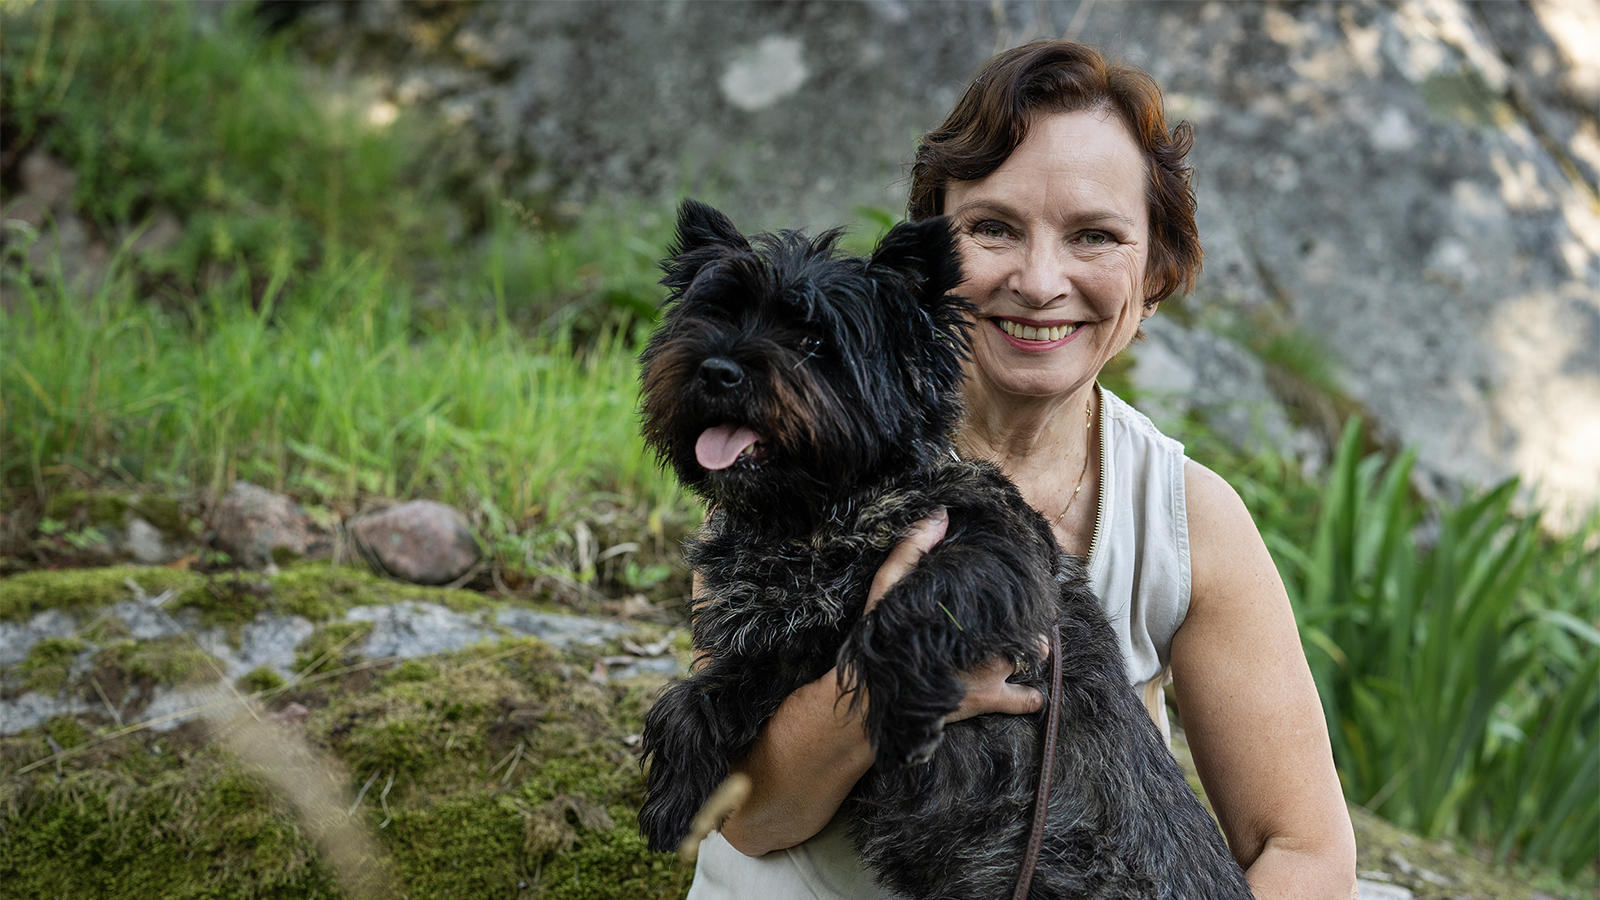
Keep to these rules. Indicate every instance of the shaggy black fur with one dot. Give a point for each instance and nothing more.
(848, 371)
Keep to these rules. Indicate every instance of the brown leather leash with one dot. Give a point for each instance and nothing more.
(1041, 802)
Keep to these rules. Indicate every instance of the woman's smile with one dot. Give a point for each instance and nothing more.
(1036, 338)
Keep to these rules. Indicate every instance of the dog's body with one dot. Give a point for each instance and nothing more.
(811, 398)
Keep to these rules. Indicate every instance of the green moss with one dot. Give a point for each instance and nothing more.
(164, 513)
(614, 863)
(261, 678)
(465, 847)
(177, 825)
(316, 591)
(88, 508)
(319, 591)
(412, 670)
(1465, 96)
(323, 641)
(173, 661)
(96, 508)
(66, 731)
(48, 663)
(24, 595)
(510, 778)
(230, 600)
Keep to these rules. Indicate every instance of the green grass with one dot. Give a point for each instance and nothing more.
(313, 330)
(341, 392)
(219, 131)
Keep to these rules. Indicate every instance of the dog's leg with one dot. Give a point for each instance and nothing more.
(687, 759)
(899, 663)
(980, 593)
(699, 728)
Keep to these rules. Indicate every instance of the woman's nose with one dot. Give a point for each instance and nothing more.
(1041, 277)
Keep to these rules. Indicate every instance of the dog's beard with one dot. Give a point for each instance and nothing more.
(786, 441)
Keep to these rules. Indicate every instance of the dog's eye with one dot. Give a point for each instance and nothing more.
(811, 344)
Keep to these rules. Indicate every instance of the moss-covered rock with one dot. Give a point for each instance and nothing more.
(74, 590)
(498, 771)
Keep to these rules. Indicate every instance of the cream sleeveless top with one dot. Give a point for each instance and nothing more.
(1139, 567)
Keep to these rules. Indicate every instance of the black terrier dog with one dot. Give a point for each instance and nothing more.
(810, 398)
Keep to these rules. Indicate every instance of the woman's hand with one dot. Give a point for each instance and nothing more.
(988, 691)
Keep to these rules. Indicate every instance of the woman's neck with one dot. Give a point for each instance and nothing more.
(1049, 450)
(1027, 434)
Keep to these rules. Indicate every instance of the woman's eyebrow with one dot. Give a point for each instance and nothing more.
(1098, 215)
(994, 206)
(1006, 210)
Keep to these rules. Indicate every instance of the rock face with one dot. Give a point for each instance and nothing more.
(423, 542)
(1412, 185)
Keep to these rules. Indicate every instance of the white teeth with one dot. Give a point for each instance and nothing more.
(1030, 333)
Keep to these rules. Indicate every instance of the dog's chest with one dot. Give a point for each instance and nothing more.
(762, 595)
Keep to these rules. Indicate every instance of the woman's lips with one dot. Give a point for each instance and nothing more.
(1036, 338)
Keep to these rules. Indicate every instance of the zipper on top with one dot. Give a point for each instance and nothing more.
(1105, 450)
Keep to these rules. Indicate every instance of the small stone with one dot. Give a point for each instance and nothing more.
(293, 714)
(423, 542)
(257, 526)
(47, 182)
(144, 542)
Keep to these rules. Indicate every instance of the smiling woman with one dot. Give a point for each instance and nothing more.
(1071, 201)
(1056, 244)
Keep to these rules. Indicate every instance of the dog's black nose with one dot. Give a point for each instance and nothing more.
(720, 373)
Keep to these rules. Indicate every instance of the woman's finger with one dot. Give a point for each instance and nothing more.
(988, 691)
(922, 537)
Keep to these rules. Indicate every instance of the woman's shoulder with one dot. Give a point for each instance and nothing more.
(1126, 425)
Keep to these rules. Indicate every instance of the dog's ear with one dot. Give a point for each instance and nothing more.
(924, 254)
(704, 235)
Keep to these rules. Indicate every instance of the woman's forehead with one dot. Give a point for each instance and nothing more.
(1085, 160)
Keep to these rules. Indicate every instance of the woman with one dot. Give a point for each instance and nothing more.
(1076, 219)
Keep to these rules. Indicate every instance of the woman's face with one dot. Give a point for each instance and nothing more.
(1054, 244)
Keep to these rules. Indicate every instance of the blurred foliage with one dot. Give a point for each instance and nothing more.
(1454, 647)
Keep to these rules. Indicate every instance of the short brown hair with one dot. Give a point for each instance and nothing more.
(992, 119)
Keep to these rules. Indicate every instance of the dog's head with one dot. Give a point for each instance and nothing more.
(785, 374)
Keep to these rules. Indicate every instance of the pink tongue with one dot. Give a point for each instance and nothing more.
(718, 447)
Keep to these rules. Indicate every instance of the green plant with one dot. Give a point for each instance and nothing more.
(261, 678)
(1424, 655)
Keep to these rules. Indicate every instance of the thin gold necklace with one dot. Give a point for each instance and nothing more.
(1088, 425)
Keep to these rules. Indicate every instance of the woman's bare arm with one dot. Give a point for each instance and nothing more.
(1250, 710)
(814, 749)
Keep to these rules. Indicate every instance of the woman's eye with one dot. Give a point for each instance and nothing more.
(993, 230)
(1096, 238)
